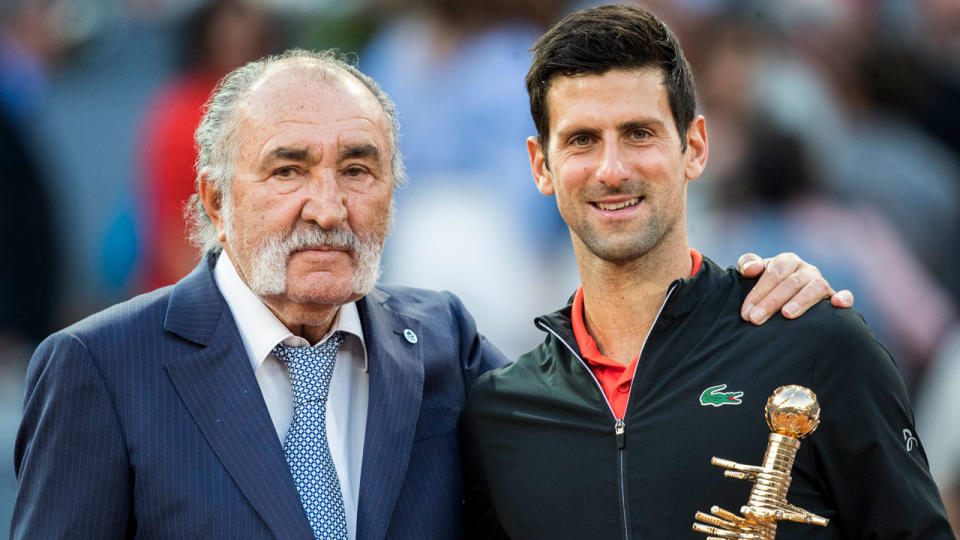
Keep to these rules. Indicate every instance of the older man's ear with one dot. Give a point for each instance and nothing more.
(787, 283)
(213, 203)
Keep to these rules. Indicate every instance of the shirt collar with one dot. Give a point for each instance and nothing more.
(261, 330)
(588, 346)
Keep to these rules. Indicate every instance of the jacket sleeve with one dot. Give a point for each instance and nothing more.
(480, 521)
(70, 457)
(477, 354)
(866, 451)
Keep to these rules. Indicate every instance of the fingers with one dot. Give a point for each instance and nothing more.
(842, 299)
(805, 298)
(787, 284)
(757, 307)
(750, 265)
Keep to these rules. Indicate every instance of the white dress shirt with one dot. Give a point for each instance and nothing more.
(347, 400)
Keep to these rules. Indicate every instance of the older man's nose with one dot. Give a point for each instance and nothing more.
(325, 203)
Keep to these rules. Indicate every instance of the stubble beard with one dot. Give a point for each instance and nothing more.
(627, 247)
(630, 248)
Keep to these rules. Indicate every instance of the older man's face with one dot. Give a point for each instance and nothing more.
(311, 197)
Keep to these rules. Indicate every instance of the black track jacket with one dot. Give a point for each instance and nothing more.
(546, 458)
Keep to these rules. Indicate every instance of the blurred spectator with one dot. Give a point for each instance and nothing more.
(455, 69)
(774, 203)
(471, 219)
(793, 131)
(898, 106)
(29, 44)
(853, 93)
(922, 72)
(220, 36)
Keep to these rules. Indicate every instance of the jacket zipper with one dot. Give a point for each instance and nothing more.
(619, 426)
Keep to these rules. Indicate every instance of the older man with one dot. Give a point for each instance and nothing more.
(273, 392)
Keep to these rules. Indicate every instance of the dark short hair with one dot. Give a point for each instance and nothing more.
(596, 40)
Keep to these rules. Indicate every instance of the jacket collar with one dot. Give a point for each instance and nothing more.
(220, 390)
(396, 390)
(196, 305)
(687, 294)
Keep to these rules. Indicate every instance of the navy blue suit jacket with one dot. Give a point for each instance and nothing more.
(146, 421)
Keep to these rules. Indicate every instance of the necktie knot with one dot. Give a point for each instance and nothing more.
(311, 368)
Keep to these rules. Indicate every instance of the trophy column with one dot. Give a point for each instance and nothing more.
(792, 413)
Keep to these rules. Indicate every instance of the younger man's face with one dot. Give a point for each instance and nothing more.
(615, 162)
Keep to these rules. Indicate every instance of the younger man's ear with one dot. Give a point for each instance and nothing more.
(697, 148)
(212, 203)
(538, 166)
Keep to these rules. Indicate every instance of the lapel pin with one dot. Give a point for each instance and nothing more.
(410, 335)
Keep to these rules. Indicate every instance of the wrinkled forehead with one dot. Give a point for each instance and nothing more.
(309, 91)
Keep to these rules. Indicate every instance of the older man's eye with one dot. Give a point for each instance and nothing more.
(355, 171)
(640, 134)
(286, 172)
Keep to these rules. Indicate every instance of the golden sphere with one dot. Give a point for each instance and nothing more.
(793, 411)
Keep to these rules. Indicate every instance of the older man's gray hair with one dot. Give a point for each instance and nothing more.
(217, 142)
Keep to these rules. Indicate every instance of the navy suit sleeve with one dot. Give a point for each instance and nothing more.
(477, 354)
(70, 457)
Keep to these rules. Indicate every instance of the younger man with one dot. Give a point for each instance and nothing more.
(606, 430)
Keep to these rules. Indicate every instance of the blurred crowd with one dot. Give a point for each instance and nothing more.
(834, 129)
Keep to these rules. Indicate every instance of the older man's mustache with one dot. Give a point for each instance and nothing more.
(313, 236)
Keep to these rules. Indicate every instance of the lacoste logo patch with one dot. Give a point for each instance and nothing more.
(715, 396)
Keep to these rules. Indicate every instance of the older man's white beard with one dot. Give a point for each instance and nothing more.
(267, 275)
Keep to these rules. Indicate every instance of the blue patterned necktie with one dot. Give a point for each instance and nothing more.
(306, 447)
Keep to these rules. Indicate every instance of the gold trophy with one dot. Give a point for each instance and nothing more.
(792, 414)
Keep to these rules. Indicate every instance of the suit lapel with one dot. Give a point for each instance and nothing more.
(396, 389)
(218, 387)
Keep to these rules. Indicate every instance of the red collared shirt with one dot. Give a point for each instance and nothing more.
(614, 378)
